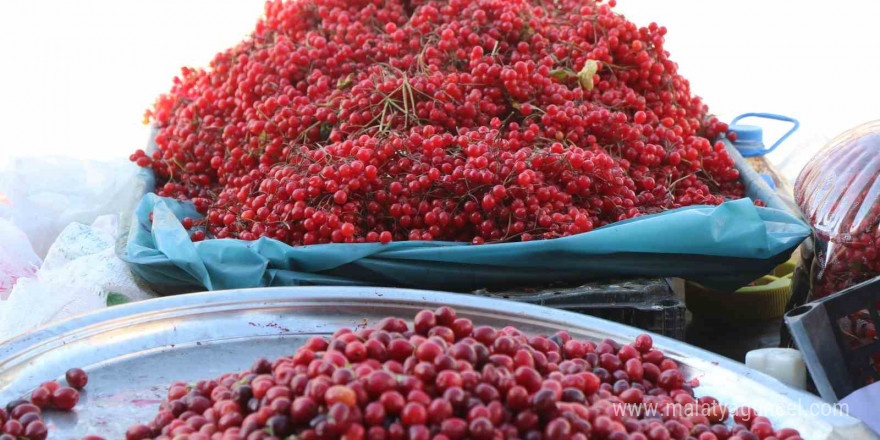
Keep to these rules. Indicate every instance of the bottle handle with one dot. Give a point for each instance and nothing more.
(765, 150)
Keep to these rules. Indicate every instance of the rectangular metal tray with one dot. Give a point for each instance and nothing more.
(132, 352)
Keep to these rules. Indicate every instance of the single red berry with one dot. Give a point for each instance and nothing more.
(413, 414)
(50, 385)
(77, 378)
(41, 397)
(65, 398)
(36, 430)
(138, 432)
(13, 428)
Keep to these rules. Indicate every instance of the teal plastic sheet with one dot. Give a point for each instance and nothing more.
(723, 246)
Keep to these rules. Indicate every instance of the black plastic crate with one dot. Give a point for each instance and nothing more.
(838, 338)
(646, 303)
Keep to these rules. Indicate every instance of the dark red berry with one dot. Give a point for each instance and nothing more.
(138, 432)
(41, 397)
(76, 378)
(65, 398)
(36, 430)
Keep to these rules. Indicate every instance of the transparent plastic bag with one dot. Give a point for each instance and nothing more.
(81, 273)
(45, 194)
(838, 192)
(17, 259)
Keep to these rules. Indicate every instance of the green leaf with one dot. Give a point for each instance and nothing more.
(344, 83)
(326, 129)
(115, 299)
(585, 76)
(562, 74)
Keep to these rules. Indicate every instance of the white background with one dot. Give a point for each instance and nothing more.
(76, 76)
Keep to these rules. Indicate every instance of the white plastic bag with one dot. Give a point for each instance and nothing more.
(17, 258)
(48, 193)
(862, 404)
(81, 273)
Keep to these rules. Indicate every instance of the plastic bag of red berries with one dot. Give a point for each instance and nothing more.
(838, 192)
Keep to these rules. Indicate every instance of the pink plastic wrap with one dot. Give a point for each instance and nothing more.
(838, 192)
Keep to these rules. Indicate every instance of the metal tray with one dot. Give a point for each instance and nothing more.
(132, 352)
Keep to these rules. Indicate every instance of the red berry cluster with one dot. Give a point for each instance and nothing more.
(847, 259)
(446, 379)
(859, 328)
(24, 418)
(482, 121)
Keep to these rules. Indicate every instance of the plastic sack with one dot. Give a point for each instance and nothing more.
(81, 273)
(45, 194)
(17, 259)
(839, 194)
(863, 404)
(700, 242)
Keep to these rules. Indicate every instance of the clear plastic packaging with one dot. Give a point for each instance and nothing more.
(81, 273)
(45, 194)
(838, 192)
(17, 258)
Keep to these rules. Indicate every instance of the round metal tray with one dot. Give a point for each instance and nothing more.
(132, 352)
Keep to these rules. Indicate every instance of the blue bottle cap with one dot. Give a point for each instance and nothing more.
(748, 136)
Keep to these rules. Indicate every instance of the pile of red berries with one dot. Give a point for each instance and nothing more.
(482, 121)
(446, 379)
(24, 418)
(440, 379)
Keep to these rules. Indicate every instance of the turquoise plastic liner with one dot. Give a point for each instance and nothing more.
(723, 246)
